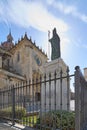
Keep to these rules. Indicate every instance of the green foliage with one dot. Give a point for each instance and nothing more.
(7, 112)
(20, 112)
(57, 119)
(30, 120)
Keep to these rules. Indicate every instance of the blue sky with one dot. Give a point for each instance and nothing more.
(36, 17)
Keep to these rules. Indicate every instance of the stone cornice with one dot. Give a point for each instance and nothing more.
(13, 75)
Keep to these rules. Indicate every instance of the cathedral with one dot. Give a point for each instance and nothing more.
(25, 61)
(21, 61)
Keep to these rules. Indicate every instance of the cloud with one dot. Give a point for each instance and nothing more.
(25, 13)
(83, 17)
(66, 9)
(50, 2)
(69, 10)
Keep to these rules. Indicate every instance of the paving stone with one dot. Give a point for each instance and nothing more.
(5, 126)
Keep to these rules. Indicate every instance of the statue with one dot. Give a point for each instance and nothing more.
(55, 45)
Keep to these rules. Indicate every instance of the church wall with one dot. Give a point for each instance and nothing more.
(20, 60)
(3, 83)
(25, 59)
(27, 62)
(6, 63)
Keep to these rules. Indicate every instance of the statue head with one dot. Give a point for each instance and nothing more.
(54, 31)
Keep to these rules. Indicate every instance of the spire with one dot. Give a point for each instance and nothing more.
(7, 45)
(9, 37)
(25, 36)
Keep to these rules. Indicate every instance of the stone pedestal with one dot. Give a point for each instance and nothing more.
(57, 65)
(54, 92)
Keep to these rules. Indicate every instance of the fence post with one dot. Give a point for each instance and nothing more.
(77, 98)
(68, 89)
(13, 105)
(61, 96)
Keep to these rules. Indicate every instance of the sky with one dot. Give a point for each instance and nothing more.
(36, 17)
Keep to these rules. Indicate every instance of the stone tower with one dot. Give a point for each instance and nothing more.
(7, 45)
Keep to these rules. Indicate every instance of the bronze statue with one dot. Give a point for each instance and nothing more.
(55, 45)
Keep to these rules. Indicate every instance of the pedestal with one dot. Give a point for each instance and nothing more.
(54, 90)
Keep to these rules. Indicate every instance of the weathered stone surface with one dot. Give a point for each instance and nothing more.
(26, 61)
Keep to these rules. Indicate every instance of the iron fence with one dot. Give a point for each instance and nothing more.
(80, 100)
(43, 102)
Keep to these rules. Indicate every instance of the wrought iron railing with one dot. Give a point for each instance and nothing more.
(42, 103)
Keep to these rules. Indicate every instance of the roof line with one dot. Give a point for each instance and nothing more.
(33, 43)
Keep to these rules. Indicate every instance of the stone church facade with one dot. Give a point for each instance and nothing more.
(20, 62)
(25, 61)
